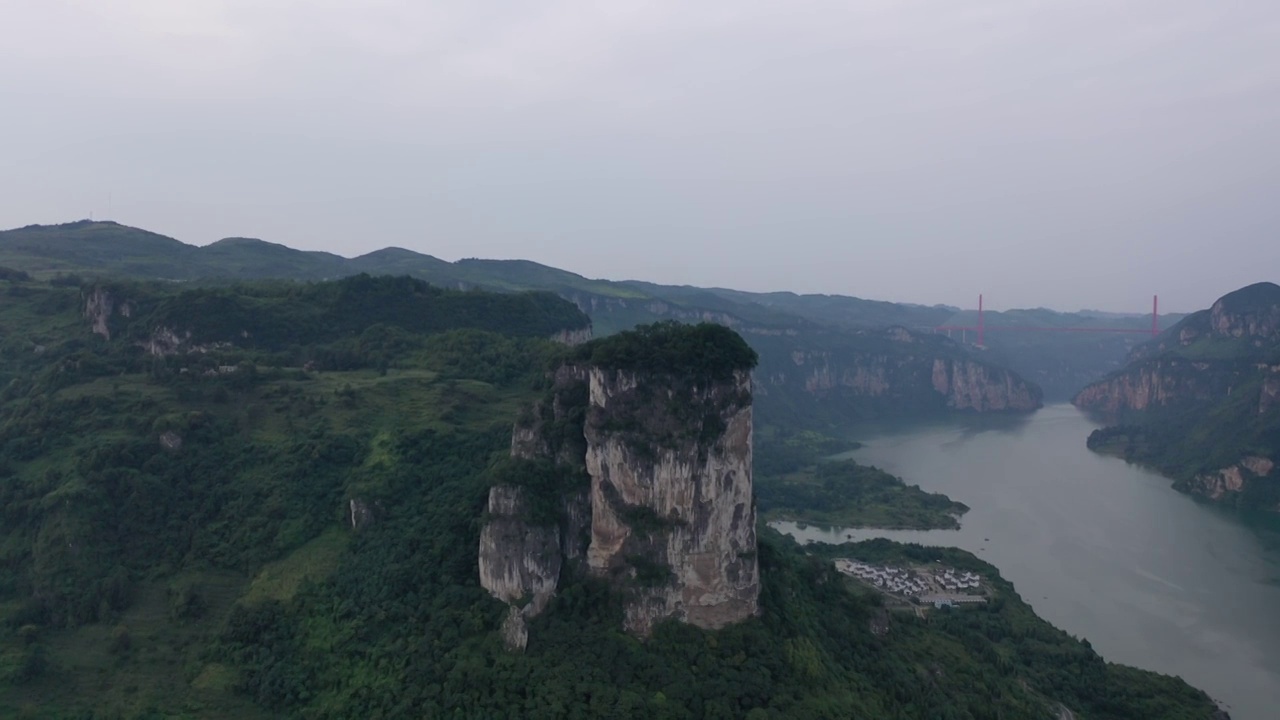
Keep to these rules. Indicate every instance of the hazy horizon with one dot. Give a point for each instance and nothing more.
(1061, 155)
(958, 306)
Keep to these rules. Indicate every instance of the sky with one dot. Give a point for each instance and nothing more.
(1063, 154)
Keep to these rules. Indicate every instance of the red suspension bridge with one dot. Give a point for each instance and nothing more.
(981, 327)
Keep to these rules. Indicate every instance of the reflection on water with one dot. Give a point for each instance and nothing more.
(1104, 550)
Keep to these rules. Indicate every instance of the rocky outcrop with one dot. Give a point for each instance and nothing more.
(968, 385)
(362, 513)
(912, 374)
(572, 336)
(1250, 312)
(519, 561)
(100, 305)
(166, 341)
(641, 477)
(521, 554)
(1158, 383)
(1202, 359)
(675, 520)
(1198, 403)
(1230, 480)
(869, 378)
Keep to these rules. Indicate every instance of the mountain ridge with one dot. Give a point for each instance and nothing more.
(861, 374)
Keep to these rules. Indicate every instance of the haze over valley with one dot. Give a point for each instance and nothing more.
(648, 360)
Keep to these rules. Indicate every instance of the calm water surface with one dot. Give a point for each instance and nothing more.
(1103, 550)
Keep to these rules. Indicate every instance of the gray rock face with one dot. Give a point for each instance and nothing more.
(519, 561)
(1157, 383)
(668, 516)
(956, 383)
(968, 385)
(1232, 479)
(362, 513)
(1228, 319)
(98, 308)
(573, 337)
(676, 519)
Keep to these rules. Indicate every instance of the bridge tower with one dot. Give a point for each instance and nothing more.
(981, 323)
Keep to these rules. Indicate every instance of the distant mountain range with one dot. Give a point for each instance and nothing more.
(108, 248)
(1060, 363)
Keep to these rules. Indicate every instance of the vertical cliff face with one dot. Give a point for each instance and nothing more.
(968, 385)
(1157, 383)
(1202, 359)
(673, 519)
(635, 467)
(891, 372)
(1202, 402)
(572, 336)
(1250, 312)
(536, 528)
(519, 560)
(100, 304)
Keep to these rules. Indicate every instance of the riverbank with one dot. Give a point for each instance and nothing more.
(1104, 550)
(829, 493)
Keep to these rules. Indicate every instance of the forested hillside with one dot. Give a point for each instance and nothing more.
(265, 501)
(826, 361)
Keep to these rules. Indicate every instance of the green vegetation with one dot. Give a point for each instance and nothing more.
(347, 316)
(846, 494)
(1215, 407)
(1191, 439)
(781, 450)
(175, 538)
(802, 341)
(544, 482)
(794, 480)
(705, 350)
(146, 500)
(1006, 632)
(13, 275)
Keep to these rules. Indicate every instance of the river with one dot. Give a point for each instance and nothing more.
(1106, 551)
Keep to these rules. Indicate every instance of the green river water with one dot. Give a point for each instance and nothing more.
(1104, 550)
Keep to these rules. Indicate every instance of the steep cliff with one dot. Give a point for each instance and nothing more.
(1199, 402)
(1160, 382)
(969, 385)
(873, 373)
(638, 461)
(520, 560)
(671, 506)
(538, 511)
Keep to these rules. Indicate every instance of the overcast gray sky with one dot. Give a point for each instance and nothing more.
(1073, 153)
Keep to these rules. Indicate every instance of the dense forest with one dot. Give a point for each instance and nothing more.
(278, 515)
